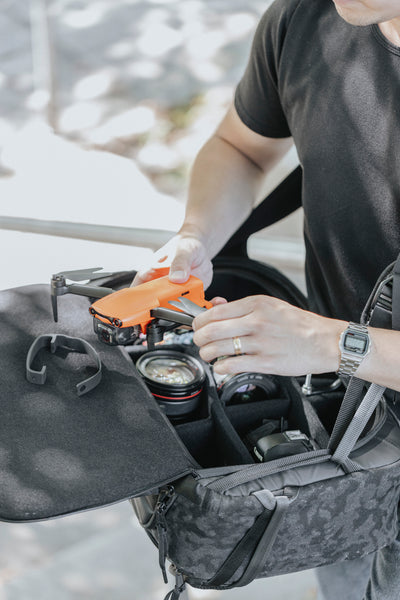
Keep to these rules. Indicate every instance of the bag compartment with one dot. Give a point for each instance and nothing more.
(213, 435)
(213, 532)
(310, 533)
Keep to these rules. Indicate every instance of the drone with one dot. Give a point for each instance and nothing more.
(121, 316)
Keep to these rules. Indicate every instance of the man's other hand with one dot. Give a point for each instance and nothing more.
(266, 335)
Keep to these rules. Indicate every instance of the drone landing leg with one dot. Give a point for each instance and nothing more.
(155, 332)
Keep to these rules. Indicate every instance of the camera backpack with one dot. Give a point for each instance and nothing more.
(216, 514)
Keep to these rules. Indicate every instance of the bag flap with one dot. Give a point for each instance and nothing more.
(60, 452)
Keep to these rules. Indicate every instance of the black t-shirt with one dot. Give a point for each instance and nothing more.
(336, 89)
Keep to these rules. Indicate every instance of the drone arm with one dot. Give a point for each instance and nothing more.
(91, 291)
(59, 288)
(172, 315)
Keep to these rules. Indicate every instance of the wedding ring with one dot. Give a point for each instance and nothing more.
(237, 345)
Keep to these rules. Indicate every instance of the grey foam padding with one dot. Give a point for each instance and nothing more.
(60, 453)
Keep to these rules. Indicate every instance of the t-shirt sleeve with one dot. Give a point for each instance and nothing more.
(257, 99)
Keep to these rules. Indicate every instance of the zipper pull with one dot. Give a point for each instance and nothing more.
(163, 504)
(162, 549)
(164, 497)
(179, 588)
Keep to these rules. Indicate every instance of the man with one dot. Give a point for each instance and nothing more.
(325, 75)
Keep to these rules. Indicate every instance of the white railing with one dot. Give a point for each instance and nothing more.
(283, 252)
(131, 236)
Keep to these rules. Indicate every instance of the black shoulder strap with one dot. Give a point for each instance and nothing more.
(396, 295)
(282, 201)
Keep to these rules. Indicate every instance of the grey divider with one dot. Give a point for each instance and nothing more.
(200, 440)
(61, 453)
(230, 445)
(246, 417)
(214, 441)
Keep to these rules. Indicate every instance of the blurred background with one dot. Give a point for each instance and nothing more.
(103, 107)
(104, 104)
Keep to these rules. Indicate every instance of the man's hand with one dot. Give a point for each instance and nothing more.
(275, 338)
(185, 255)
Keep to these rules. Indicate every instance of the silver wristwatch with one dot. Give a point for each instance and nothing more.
(354, 345)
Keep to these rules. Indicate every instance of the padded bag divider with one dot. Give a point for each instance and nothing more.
(211, 441)
(230, 444)
(214, 441)
(245, 417)
(60, 453)
(218, 440)
(199, 438)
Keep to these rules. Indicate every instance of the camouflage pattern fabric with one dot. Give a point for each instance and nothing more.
(328, 521)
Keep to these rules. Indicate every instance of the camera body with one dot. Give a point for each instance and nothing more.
(266, 446)
(113, 335)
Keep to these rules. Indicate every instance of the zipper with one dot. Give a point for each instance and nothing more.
(164, 502)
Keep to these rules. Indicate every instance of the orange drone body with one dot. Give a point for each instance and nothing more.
(132, 306)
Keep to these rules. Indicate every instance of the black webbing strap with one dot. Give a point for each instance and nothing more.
(257, 544)
(396, 295)
(282, 201)
(356, 427)
(350, 403)
(317, 430)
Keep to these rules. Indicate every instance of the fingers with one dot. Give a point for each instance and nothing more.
(218, 300)
(226, 347)
(217, 326)
(236, 309)
(242, 364)
(181, 267)
(142, 277)
(184, 256)
(148, 275)
(217, 331)
(254, 321)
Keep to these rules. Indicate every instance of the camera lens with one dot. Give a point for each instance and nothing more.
(245, 387)
(167, 370)
(175, 379)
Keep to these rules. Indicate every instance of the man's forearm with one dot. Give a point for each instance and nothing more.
(222, 192)
(226, 181)
(381, 365)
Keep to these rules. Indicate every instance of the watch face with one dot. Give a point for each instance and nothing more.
(355, 342)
